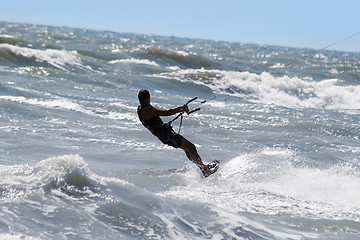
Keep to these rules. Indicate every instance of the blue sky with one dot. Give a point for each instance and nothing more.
(295, 23)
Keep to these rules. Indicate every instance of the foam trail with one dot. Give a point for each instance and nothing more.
(267, 182)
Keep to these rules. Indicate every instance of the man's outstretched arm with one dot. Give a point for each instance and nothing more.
(150, 111)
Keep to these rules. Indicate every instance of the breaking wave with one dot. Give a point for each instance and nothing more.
(68, 173)
(61, 59)
(284, 91)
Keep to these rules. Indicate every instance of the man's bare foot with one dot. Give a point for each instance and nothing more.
(205, 169)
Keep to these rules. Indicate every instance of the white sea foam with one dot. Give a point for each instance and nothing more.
(267, 182)
(284, 91)
(49, 103)
(57, 58)
(16, 237)
(20, 181)
(7, 36)
(135, 61)
(336, 186)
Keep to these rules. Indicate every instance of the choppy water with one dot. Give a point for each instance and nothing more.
(77, 164)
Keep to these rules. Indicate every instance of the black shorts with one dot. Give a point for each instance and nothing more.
(169, 137)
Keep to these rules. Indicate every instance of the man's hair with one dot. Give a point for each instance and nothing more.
(143, 94)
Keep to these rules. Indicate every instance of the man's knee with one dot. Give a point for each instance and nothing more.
(188, 146)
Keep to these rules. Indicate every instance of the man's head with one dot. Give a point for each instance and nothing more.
(143, 95)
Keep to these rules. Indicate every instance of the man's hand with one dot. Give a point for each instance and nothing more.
(185, 109)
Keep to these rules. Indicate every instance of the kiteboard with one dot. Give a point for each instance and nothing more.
(214, 167)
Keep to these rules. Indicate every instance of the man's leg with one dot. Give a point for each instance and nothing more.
(193, 155)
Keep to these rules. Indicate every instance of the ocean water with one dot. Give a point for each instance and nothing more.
(76, 163)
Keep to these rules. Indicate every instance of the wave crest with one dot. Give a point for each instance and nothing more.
(61, 59)
(283, 91)
(68, 173)
(178, 58)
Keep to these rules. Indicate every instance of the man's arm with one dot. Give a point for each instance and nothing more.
(150, 111)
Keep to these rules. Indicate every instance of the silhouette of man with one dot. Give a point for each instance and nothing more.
(150, 118)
